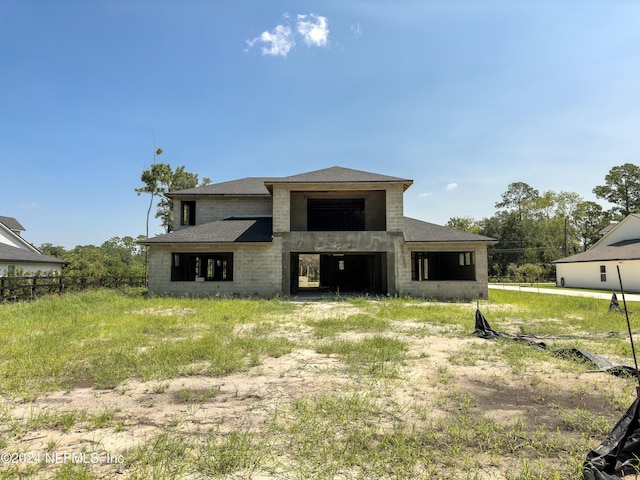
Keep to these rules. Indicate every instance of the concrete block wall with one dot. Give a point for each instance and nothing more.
(211, 209)
(458, 289)
(395, 208)
(374, 207)
(281, 209)
(257, 270)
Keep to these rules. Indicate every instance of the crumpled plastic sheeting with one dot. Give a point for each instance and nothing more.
(484, 330)
(618, 457)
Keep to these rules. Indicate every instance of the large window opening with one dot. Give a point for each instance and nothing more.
(191, 267)
(337, 272)
(434, 266)
(335, 214)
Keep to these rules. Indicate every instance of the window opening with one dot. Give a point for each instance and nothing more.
(187, 267)
(442, 266)
(188, 213)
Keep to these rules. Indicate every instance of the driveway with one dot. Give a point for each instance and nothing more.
(630, 297)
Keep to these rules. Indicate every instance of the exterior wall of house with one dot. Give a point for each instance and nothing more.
(28, 269)
(458, 289)
(341, 242)
(9, 238)
(395, 208)
(218, 207)
(257, 270)
(288, 215)
(588, 275)
(374, 207)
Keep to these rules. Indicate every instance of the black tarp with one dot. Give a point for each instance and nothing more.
(618, 456)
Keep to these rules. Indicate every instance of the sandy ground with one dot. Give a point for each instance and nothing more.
(242, 401)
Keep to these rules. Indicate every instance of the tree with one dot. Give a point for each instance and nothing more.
(519, 197)
(178, 180)
(622, 189)
(465, 224)
(152, 179)
(589, 220)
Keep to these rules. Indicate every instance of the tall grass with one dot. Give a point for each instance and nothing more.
(99, 339)
(366, 429)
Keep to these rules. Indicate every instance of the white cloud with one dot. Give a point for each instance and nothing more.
(277, 42)
(355, 29)
(314, 30)
(452, 186)
(28, 205)
(425, 194)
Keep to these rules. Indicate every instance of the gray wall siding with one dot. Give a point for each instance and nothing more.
(459, 289)
(374, 207)
(257, 270)
(211, 209)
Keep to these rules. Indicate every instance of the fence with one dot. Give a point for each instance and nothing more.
(30, 288)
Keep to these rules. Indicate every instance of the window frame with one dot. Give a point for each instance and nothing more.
(442, 266)
(205, 266)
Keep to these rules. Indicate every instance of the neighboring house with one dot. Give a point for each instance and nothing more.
(597, 267)
(245, 237)
(19, 256)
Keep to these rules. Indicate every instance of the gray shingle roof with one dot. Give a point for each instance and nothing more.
(238, 230)
(9, 253)
(256, 185)
(419, 231)
(339, 175)
(11, 223)
(243, 186)
(625, 250)
(231, 230)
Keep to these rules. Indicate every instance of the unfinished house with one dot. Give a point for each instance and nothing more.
(257, 236)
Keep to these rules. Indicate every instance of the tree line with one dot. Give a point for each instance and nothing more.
(535, 228)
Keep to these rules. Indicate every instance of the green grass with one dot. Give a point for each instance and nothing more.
(365, 425)
(99, 339)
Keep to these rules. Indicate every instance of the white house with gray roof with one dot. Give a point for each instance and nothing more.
(17, 256)
(246, 237)
(598, 267)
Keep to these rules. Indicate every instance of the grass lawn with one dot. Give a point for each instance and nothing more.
(106, 383)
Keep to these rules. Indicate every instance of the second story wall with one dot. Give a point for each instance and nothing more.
(218, 207)
(383, 204)
(373, 217)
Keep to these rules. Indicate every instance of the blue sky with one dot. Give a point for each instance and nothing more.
(463, 97)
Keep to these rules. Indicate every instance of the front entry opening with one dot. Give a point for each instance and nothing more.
(338, 273)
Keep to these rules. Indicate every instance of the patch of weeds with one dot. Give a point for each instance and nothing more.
(160, 387)
(584, 421)
(101, 420)
(165, 456)
(228, 454)
(330, 327)
(376, 356)
(198, 395)
(445, 375)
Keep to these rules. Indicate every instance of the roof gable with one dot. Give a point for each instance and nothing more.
(627, 229)
(11, 223)
(621, 242)
(340, 175)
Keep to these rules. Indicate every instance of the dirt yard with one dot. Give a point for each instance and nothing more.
(445, 366)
